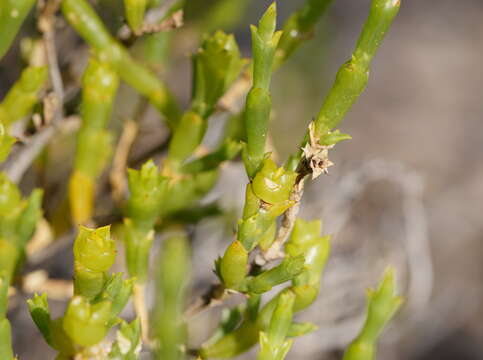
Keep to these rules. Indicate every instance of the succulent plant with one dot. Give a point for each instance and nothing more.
(272, 245)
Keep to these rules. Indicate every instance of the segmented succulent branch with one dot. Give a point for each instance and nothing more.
(18, 220)
(18, 103)
(216, 65)
(383, 303)
(100, 84)
(352, 77)
(258, 104)
(97, 302)
(305, 243)
(6, 351)
(147, 190)
(168, 326)
(299, 27)
(135, 10)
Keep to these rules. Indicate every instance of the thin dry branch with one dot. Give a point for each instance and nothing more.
(21, 161)
(46, 25)
(54, 113)
(117, 176)
(155, 21)
(215, 296)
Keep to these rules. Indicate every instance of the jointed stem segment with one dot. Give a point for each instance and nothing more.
(100, 84)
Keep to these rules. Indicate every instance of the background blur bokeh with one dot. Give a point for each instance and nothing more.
(407, 190)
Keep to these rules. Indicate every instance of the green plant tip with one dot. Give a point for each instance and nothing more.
(272, 184)
(94, 248)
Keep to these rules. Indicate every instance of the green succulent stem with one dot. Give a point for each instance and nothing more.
(100, 84)
(40, 313)
(187, 137)
(273, 343)
(85, 323)
(128, 341)
(135, 10)
(12, 15)
(23, 95)
(305, 243)
(216, 65)
(352, 77)
(138, 246)
(18, 221)
(6, 351)
(288, 269)
(226, 151)
(383, 303)
(258, 103)
(299, 27)
(6, 142)
(94, 254)
(147, 189)
(171, 290)
(267, 197)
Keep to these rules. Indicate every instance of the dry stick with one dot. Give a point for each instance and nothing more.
(152, 18)
(232, 101)
(213, 297)
(156, 14)
(172, 22)
(288, 221)
(46, 26)
(38, 282)
(139, 303)
(314, 161)
(57, 246)
(117, 176)
(23, 160)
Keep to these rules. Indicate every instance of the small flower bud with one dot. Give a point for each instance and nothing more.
(86, 324)
(94, 248)
(273, 185)
(216, 64)
(147, 187)
(233, 266)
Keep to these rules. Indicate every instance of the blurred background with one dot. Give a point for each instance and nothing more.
(406, 191)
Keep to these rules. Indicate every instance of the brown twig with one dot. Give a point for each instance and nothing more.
(117, 176)
(232, 100)
(275, 252)
(46, 25)
(170, 23)
(38, 282)
(42, 238)
(21, 161)
(59, 245)
(211, 298)
(314, 161)
(55, 113)
(154, 21)
(139, 303)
